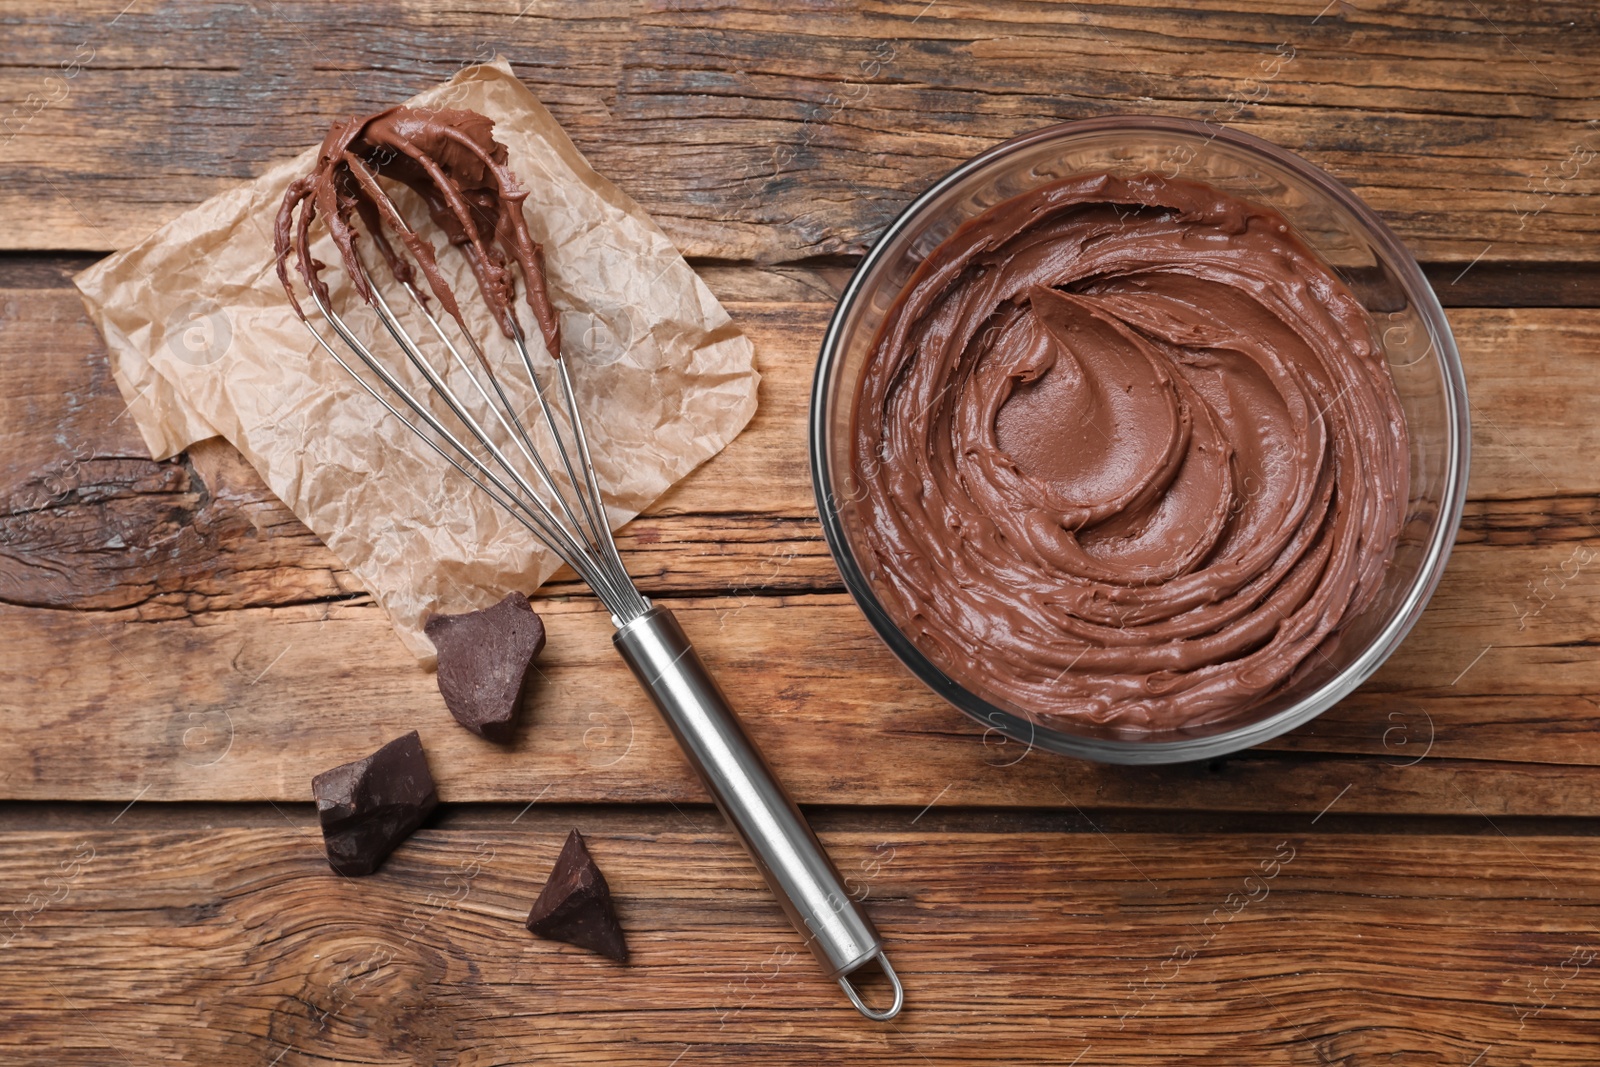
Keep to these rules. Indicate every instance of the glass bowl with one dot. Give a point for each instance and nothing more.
(1333, 222)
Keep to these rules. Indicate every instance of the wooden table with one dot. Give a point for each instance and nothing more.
(181, 655)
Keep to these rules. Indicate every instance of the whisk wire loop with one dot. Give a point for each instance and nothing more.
(579, 535)
(518, 436)
(598, 532)
(501, 494)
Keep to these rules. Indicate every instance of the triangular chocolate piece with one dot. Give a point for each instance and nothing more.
(484, 658)
(368, 807)
(575, 905)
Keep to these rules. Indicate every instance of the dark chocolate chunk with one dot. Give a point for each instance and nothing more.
(368, 807)
(484, 658)
(575, 905)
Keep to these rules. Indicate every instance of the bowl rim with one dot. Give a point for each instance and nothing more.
(1118, 751)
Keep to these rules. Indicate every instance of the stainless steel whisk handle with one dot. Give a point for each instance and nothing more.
(777, 836)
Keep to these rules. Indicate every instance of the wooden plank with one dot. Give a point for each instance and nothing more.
(775, 134)
(165, 594)
(90, 522)
(1470, 714)
(240, 947)
(1533, 432)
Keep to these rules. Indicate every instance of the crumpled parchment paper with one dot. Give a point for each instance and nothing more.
(204, 343)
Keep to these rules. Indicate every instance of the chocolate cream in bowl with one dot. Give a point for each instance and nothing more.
(1126, 452)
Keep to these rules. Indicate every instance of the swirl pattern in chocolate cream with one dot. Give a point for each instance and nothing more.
(1127, 453)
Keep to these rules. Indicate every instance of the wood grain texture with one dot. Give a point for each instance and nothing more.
(240, 947)
(1534, 422)
(237, 658)
(170, 632)
(774, 132)
(1470, 715)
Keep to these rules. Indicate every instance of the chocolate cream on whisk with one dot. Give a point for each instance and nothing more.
(1127, 452)
(450, 158)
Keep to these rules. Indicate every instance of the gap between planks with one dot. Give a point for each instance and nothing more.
(654, 818)
(1480, 284)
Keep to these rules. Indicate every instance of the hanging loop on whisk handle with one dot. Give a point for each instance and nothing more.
(777, 836)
